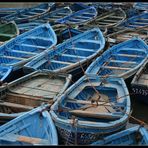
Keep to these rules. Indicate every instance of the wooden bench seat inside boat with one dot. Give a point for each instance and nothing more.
(26, 139)
(104, 110)
(6, 35)
(14, 105)
(25, 99)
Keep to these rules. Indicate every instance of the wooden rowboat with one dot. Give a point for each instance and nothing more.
(109, 19)
(68, 56)
(50, 17)
(122, 60)
(28, 13)
(127, 34)
(24, 47)
(90, 109)
(31, 128)
(31, 91)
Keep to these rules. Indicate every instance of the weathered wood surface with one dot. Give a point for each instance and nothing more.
(40, 86)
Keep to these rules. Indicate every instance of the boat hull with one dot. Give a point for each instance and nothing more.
(78, 126)
(140, 93)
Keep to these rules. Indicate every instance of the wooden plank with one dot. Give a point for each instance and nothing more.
(87, 102)
(81, 113)
(109, 21)
(113, 67)
(103, 17)
(26, 139)
(129, 55)
(16, 58)
(25, 52)
(122, 38)
(123, 62)
(8, 104)
(62, 62)
(24, 98)
(103, 23)
(34, 46)
(73, 56)
(81, 49)
(90, 41)
(38, 89)
(116, 17)
(38, 37)
(6, 35)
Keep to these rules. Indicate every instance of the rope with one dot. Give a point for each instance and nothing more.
(105, 76)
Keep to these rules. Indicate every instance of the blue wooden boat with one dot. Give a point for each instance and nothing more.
(32, 128)
(139, 84)
(132, 136)
(90, 109)
(31, 91)
(4, 73)
(80, 17)
(29, 13)
(141, 6)
(126, 34)
(110, 18)
(122, 60)
(50, 17)
(70, 55)
(135, 21)
(54, 15)
(24, 47)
